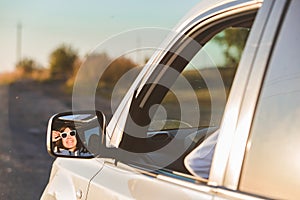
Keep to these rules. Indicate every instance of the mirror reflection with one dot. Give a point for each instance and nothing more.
(67, 142)
(77, 134)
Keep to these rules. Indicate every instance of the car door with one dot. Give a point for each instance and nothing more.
(272, 153)
(263, 156)
(144, 169)
(69, 178)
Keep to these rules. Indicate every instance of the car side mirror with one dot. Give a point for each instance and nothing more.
(76, 134)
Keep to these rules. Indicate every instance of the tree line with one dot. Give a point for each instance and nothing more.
(64, 63)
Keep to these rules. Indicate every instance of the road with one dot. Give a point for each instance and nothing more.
(24, 162)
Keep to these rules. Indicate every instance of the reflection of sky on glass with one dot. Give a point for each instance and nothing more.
(76, 117)
(83, 24)
(211, 55)
(79, 117)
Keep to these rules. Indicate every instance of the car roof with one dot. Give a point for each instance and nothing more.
(202, 9)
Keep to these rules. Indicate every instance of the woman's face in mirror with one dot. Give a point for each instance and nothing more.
(69, 141)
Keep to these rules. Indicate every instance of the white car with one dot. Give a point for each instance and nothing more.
(183, 95)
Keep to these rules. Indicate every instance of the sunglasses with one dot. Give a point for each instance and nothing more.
(65, 134)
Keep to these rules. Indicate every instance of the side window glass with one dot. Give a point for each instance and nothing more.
(204, 84)
(187, 97)
(271, 166)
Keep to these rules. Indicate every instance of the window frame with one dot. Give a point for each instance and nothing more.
(221, 18)
(149, 92)
(241, 105)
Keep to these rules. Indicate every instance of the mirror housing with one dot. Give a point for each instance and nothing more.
(79, 134)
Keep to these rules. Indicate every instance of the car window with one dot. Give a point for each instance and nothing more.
(193, 107)
(183, 101)
(203, 86)
(271, 166)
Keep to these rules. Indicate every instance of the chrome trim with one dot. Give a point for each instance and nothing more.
(218, 192)
(189, 185)
(201, 188)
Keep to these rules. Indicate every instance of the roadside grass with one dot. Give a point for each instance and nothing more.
(7, 78)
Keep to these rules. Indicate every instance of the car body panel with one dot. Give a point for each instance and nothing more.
(133, 184)
(70, 178)
(251, 94)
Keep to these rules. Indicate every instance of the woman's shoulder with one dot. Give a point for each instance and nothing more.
(76, 153)
(85, 154)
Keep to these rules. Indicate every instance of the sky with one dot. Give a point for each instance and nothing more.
(46, 24)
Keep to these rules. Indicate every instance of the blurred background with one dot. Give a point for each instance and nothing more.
(43, 43)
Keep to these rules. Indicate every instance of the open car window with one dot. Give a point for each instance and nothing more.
(183, 101)
(198, 96)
